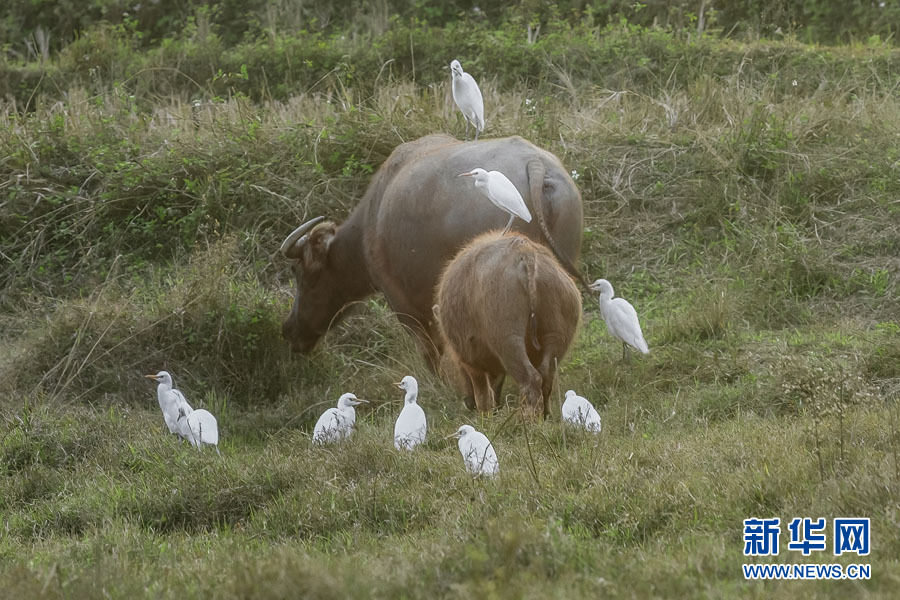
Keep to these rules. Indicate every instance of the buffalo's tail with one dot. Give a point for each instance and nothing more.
(529, 261)
(536, 172)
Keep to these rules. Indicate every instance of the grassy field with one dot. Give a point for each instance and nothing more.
(743, 196)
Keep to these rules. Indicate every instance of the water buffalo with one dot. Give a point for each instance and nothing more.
(505, 305)
(414, 217)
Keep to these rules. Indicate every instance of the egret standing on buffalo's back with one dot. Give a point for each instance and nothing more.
(621, 318)
(468, 98)
(502, 193)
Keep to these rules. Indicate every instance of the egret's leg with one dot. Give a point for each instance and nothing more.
(217, 451)
(476, 133)
(467, 130)
(508, 225)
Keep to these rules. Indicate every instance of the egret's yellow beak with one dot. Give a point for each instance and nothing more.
(153, 377)
(464, 175)
(399, 384)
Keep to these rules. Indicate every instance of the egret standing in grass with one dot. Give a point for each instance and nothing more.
(202, 427)
(621, 318)
(409, 430)
(468, 98)
(501, 192)
(336, 424)
(477, 452)
(171, 401)
(578, 411)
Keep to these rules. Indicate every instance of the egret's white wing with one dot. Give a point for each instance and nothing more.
(489, 465)
(204, 427)
(592, 420)
(181, 401)
(504, 194)
(183, 426)
(478, 454)
(175, 411)
(327, 427)
(571, 409)
(469, 453)
(468, 98)
(409, 430)
(474, 100)
(624, 324)
(578, 411)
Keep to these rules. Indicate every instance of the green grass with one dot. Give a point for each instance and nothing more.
(753, 223)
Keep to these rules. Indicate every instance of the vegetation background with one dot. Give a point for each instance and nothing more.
(739, 166)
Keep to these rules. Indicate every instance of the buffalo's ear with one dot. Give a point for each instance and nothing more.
(315, 251)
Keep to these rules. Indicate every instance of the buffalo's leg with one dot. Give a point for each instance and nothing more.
(497, 386)
(547, 370)
(469, 398)
(469, 391)
(517, 364)
(551, 349)
(427, 343)
(482, 391)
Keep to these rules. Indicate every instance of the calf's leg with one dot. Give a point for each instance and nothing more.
(514, 359)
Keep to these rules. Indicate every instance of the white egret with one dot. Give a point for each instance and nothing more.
(468, 98)
(202, 427)
(477, 452)
(335, 424)
(170, 402)
(621, 318)
(578, 411)
(409, 431)
(501, 192)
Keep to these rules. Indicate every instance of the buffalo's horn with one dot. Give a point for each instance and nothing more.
(298, 233)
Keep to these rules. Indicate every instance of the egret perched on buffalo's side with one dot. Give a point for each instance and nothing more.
(578, 411)
(410, 428)
(468, 98)
(477, 451)
(171, 401)
(502, 193)
(621, 318)
(337, 423)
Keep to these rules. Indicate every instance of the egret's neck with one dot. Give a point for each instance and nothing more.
(411, 396)
(350, 412)
(163, 387)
